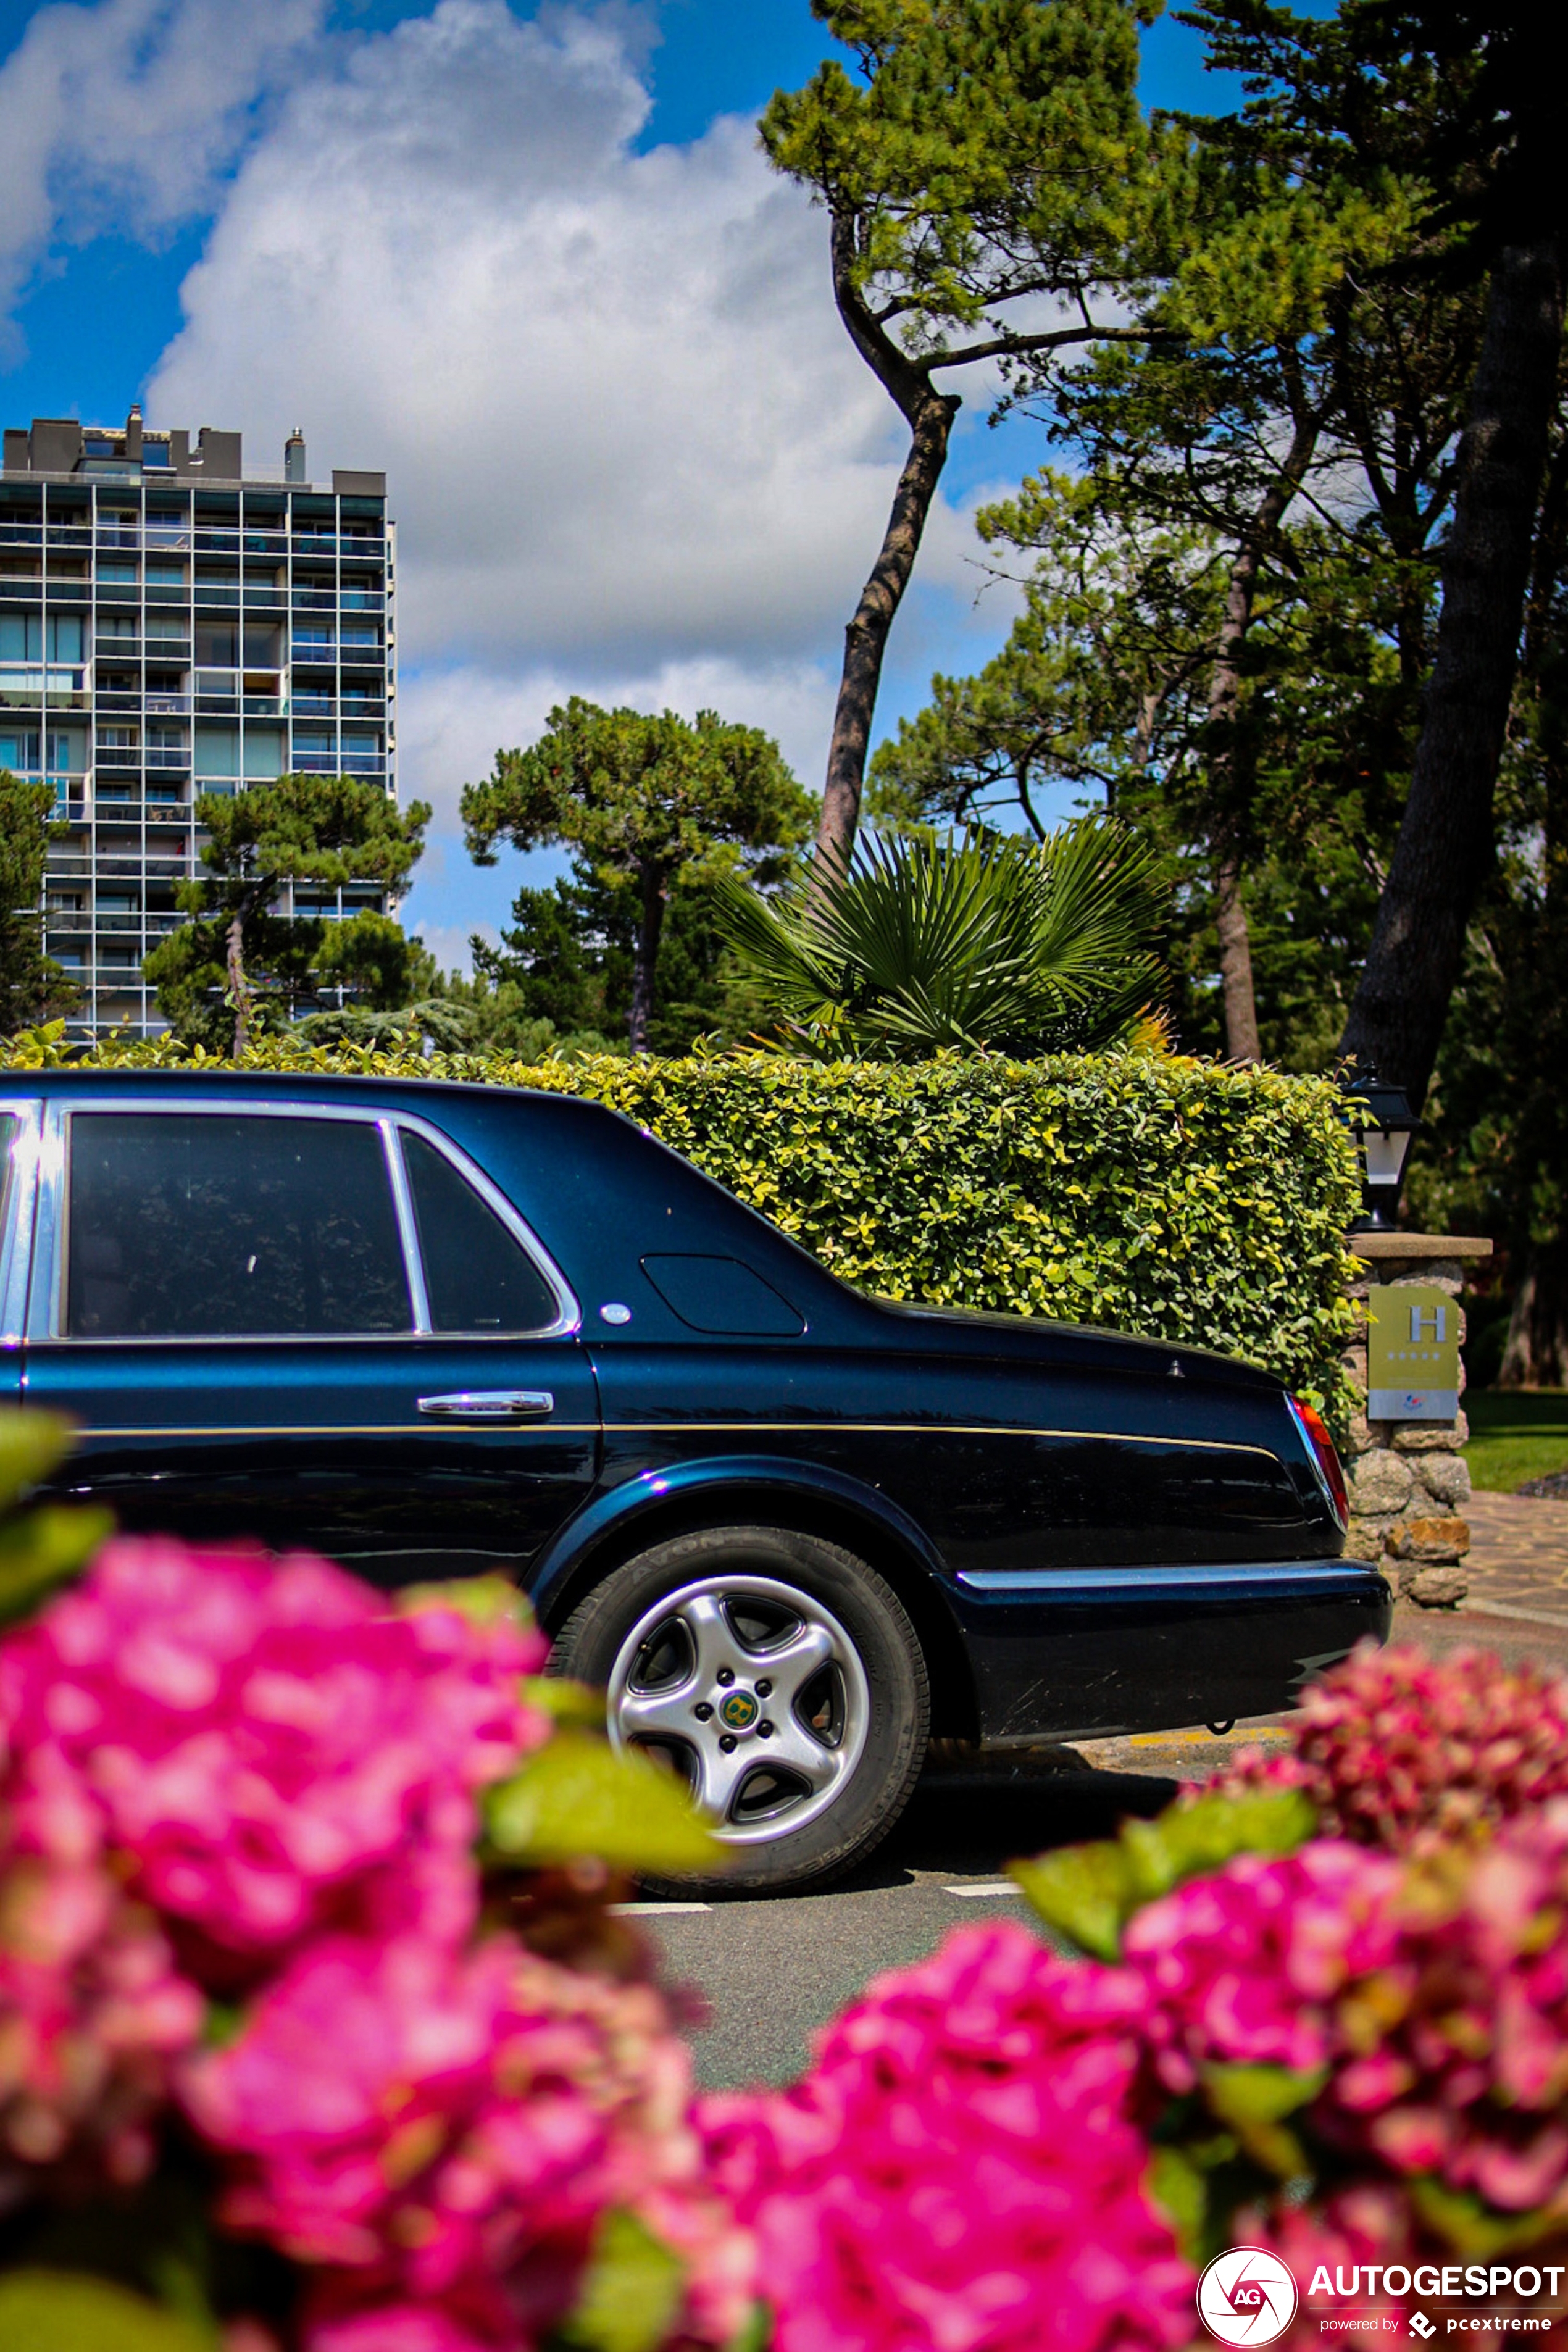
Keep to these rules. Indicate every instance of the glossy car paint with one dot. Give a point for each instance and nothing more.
(1091, 1532)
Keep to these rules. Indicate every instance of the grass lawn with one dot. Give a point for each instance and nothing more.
(1516, 1434)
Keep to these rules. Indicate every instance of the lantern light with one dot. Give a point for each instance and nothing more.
(1383, 1123)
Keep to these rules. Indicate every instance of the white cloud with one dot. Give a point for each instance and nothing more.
(621, 421)
(630, 449)
(127, 111)
(452, 722)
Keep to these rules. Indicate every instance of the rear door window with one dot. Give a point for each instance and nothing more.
(478, 1276)
(229, 1225)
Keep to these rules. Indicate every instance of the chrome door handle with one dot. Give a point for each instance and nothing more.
(490, 1404)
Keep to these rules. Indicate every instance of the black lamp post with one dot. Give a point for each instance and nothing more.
(1383, 1123)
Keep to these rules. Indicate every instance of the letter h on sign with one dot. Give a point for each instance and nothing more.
(1413, 1353)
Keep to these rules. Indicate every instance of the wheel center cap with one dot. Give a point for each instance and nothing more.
(737, 1710)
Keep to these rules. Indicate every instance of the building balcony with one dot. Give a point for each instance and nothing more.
(164, 704)
(168, 755)
(69, 534)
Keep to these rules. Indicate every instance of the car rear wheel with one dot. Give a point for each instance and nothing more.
(780, 1676)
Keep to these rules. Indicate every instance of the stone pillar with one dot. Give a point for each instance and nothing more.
(1408, 1480)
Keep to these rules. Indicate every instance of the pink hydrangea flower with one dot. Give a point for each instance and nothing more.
(275, 1745)
(960, 2170)
(1246, 1966)
(1433, 1994)
(93, 2012)
(450, 2126)
(1399, 1749)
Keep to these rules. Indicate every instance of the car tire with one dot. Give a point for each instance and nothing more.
(809, 1658)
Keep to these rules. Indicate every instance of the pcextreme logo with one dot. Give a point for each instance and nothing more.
(1247, 2295)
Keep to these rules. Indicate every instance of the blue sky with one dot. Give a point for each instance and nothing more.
(530, 261)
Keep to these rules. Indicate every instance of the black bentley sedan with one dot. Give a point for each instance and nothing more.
(794, 1530)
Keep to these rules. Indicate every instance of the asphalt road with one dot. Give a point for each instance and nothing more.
(773, 1971)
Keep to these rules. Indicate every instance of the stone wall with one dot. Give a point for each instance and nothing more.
(1408, 1480)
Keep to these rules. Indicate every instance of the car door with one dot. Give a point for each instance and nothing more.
(18, 1174)
(314, 1324)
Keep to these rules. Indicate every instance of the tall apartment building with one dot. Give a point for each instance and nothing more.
(171, 626)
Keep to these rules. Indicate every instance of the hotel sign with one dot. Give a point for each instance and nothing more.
(1412, 1353)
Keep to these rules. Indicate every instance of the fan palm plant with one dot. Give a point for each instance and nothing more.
(978, 942)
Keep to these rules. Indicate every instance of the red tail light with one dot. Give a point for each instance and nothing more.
(1320, 1448)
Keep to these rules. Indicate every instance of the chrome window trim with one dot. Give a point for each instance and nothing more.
(568, 1319)
(45, 1303)
(16, 1232)
(407, 1230)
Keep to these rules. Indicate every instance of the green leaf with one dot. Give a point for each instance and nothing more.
(484, 1600)
(1205, 1834)
(1085, 1892)
(1090, 1892)
(631, 2291)
(1243, 2096)
(755, 2332)
(580, 1796)
(1474, 2230)
(31, 1445)
(44, 1548)
(1178, 2187)
(565, 1701)
(1253, 2100)
(65, 2311)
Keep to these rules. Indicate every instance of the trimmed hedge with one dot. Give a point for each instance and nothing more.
(1169, 1197)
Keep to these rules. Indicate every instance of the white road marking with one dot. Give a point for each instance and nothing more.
(653, 1910)
(993, 1886)
(1482, 1607)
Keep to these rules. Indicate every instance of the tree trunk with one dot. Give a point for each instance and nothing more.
(1444, 847)
(238, 988)
(1229, 760)
(645, 956)
(1536, 1355)
(930, 415)
(1238, 1002)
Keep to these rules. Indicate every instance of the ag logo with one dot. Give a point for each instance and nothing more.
(738, 1711)
(1246, 2296)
